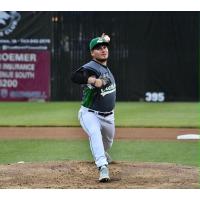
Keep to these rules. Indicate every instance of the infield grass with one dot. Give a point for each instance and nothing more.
(179, 152)
(127, 114)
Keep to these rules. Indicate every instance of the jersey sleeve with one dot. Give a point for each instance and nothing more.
(81, 75)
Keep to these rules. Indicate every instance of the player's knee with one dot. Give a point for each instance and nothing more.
(94, 130)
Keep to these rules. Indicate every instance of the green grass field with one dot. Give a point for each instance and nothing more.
(138, 151)
(132, 114)
(129, 114)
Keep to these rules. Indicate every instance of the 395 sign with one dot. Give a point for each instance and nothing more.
(155, 96)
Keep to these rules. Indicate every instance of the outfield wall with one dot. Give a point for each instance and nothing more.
(153, 55)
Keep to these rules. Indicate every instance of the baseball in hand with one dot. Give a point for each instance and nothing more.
(107, 38)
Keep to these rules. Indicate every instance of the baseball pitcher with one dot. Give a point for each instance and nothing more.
(96, 114)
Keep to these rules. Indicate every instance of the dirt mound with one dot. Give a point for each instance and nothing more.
(75, 174)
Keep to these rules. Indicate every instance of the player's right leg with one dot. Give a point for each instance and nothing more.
(90, 124)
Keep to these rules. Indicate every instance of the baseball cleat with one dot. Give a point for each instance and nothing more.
(104, 174)
(108, 157)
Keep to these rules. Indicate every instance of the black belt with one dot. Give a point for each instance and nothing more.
(104, 114)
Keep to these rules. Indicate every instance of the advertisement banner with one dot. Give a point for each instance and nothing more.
(24, 56)
(24, 75)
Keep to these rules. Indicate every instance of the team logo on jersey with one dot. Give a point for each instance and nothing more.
(8, 22)
(108, 90)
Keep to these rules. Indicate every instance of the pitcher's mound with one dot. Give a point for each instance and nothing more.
(76, 174)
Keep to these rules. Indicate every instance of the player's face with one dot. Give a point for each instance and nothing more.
(100, 53)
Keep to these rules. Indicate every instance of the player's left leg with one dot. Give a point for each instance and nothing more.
(108, 131)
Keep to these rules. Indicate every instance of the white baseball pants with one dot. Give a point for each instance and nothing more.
(100, 130)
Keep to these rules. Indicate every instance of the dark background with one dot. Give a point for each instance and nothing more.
(149, 52)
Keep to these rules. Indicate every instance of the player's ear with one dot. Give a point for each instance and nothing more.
(92, 53)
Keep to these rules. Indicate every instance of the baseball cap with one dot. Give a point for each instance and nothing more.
(96, 41)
